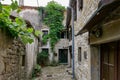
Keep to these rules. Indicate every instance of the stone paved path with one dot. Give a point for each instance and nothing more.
(56, 73)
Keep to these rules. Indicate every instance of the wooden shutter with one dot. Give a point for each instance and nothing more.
(79, 54)
(80, 4)
(68, 16)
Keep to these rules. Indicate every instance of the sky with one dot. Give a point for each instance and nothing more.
(41, 2)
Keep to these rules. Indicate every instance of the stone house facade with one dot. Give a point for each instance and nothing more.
(61, 45)
(94, 21)
(36, 22)
(104, 41)
(32, 15)
(83, 10)
(20, 70)
(13, 58)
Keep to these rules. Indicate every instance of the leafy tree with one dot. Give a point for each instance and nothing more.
(54, 15)
(15, 28)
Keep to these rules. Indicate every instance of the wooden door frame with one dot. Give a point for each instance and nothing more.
(59, 55)
(118, 56)
(115, 60)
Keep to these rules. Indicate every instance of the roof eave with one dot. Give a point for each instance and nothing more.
(98, 16)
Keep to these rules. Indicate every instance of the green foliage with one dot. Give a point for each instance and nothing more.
(14, 5)
(15, 28)
(54, 15)
(42, 57)
(45, 39)
(37, 32)
(36, 71)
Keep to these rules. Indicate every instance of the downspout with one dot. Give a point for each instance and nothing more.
(73, 65)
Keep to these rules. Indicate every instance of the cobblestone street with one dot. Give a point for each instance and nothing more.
(56, 73)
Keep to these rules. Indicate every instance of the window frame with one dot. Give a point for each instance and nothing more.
(79, 54)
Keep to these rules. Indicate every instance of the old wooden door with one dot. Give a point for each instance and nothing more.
(109, 61)
(118, 61)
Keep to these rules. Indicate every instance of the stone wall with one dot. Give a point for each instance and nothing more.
(83, 67)
(31, 50)
(31, 55)
(89, 7)
(12, 66)
(31, 15)
(61, 44)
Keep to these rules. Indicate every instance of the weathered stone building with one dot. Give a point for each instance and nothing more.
(83, 10)
(96, 39)
(31, 14)
(61, 47)
(12, 58)
(104, 40)
(20, 61)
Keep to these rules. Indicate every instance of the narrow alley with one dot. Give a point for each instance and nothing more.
(61, 72)
(59, 39)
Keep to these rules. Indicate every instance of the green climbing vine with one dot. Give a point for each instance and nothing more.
(17, 27)
(54, 15)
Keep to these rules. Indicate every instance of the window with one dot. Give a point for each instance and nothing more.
(45, 50)
(73, 4)
(85, 55)
(23, 60)
(80, 4)
(79, 54)
(45, 32)
(70, 51)
(75, 11)
(70, 34)
(62, 34)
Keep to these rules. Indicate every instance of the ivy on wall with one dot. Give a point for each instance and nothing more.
(15, 28)
(54, 15)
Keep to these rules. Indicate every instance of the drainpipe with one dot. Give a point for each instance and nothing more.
(73, 65)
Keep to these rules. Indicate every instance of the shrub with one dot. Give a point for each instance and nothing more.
(36, 71)
(42, 57)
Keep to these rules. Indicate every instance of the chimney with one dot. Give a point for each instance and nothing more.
(21, 2)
